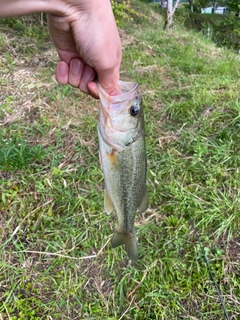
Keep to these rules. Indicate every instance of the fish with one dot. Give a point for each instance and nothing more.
(123, 161)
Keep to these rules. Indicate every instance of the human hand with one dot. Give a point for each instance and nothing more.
(87, 40)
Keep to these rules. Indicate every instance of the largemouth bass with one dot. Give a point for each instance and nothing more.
(123, 161)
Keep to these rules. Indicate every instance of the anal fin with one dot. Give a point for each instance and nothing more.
(144, 204)
(108, 205)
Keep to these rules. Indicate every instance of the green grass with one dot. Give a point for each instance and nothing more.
(56, 261)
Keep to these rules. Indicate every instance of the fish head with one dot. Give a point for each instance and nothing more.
(121, 117)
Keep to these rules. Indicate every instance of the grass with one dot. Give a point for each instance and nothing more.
(56, 261)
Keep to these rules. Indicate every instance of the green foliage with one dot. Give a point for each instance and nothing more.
(34, 27)
(120, 10)
(16, 153)
(200, 4)
(124, 12)
(222, 29)
(233, 5)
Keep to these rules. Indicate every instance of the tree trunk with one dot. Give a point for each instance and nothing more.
(214, 3)
(169, 13)
(191, 5)
(162, 3)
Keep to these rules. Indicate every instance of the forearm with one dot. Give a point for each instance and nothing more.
(10, 8)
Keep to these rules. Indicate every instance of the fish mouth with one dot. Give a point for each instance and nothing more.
(126, 92)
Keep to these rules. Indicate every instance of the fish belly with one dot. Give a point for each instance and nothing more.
(125, 189)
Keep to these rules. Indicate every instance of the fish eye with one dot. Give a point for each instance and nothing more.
(134, 110)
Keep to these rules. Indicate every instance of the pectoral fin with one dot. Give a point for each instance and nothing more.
(144, 204)
(108, 205)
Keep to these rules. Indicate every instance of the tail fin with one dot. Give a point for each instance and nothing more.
(130, 242)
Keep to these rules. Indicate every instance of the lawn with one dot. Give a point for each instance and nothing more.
(56, 260)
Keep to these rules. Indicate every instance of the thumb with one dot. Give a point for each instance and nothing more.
(110, 88)
(109, 81)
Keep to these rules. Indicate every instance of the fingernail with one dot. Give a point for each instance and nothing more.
(76, 66)
(88, 73)
(62, 68)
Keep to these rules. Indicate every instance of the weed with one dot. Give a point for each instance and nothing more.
(15, 153)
